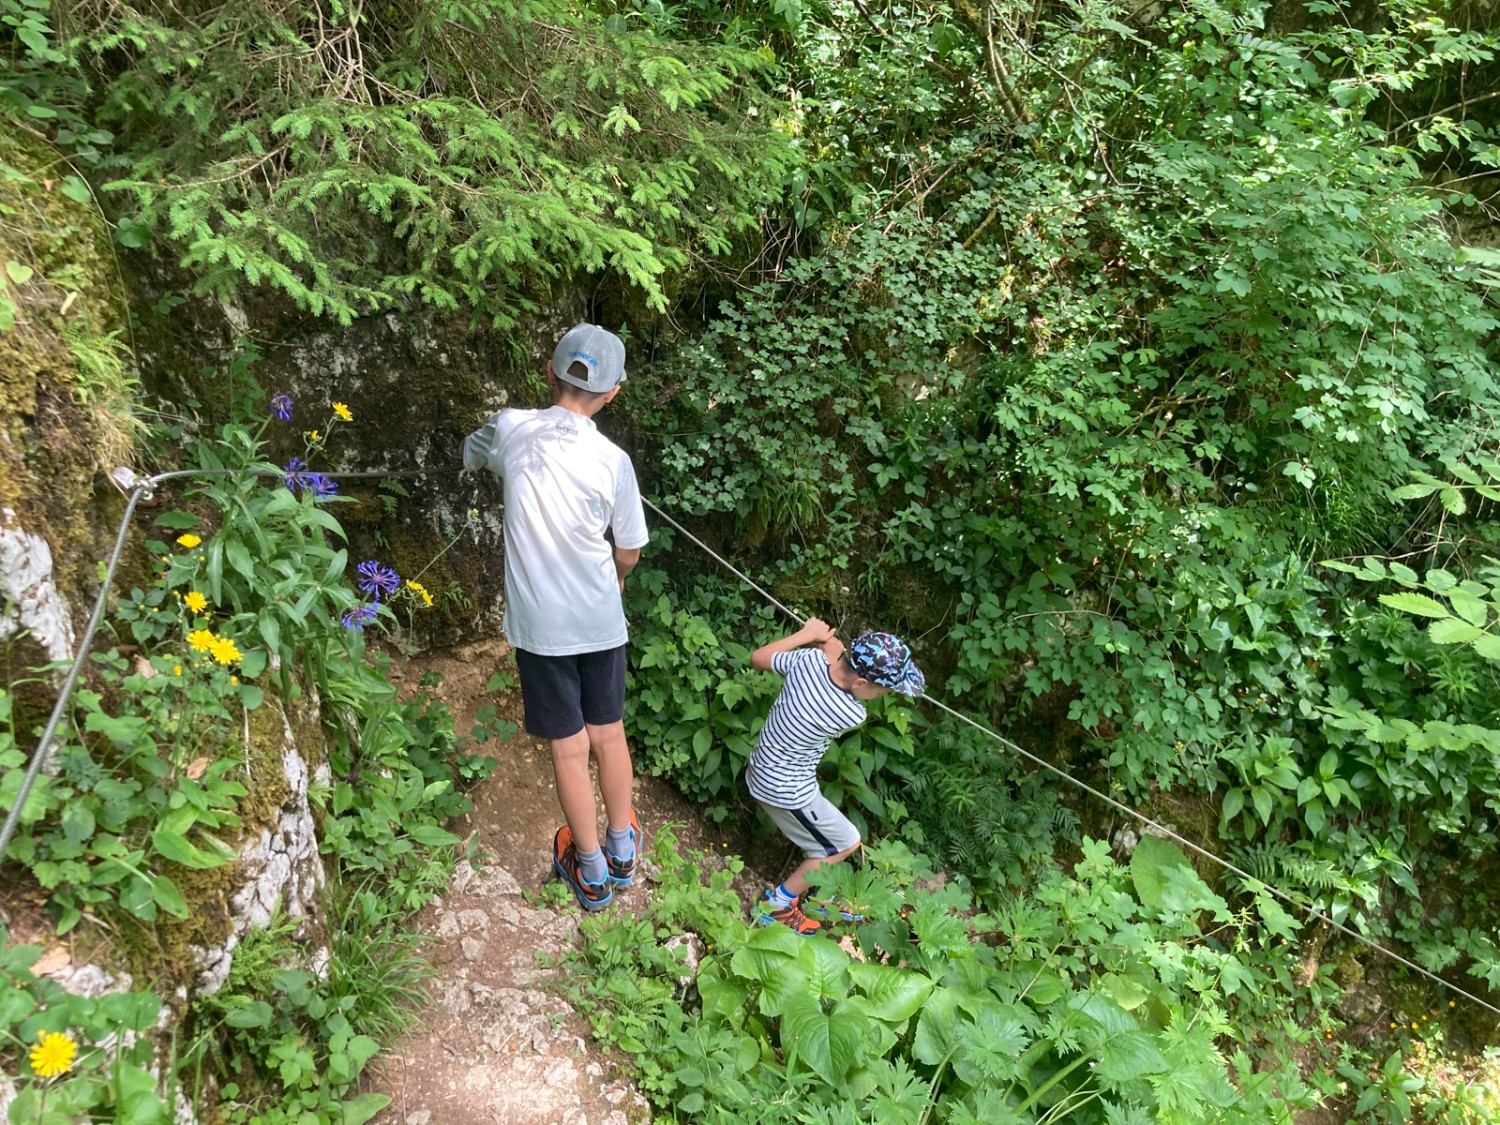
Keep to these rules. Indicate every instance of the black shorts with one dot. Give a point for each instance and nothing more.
(562, 693)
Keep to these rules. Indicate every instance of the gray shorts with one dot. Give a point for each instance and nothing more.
(819, 829)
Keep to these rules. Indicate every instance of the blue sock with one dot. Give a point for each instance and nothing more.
(781, 896)
(591, 866)
(620, 843)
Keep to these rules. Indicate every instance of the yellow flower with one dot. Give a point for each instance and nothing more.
(421, 592)
(223, 650)
(195, 601)
(343, 412)
(312, 435)
(177, 669)
(53, 1054)
(188, 540)
(234, 680)
(201, 640)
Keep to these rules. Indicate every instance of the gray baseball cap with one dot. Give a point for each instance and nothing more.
(598, 349)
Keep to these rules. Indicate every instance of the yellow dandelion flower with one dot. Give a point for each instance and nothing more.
(195, 601)
(188, 540)
(313, 435)
(421, 592)
(1452, 1002)
(53, 1054)
(177, 669)
(201, 640)
(344, 413)
(223, 650)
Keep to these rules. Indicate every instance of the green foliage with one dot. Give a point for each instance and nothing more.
(695, 706)
(454, 155)
(303, 1036)
(1079, 1002)
(146, 781)
(108, 1080)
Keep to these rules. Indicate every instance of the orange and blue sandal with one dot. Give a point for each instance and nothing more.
(767, 914)
(591, 896)
(622, 871)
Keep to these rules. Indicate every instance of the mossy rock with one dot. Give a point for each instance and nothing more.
(64, 384)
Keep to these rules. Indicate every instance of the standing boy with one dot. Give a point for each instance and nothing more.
(822, 698)
(566, 485)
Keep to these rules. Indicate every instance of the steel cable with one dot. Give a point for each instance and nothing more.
(1156, 828)
(136, 490)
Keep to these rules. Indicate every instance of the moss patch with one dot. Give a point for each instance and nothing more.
(61, 370)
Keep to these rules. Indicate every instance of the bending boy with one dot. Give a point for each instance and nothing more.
(822, 698)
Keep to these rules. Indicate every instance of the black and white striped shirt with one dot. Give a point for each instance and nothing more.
(808, 714)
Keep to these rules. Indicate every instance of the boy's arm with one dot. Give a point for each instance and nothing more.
(474, 452)
(814, 632)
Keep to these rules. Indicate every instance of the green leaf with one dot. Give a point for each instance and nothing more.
(1452, 631)
(433, 836)
(828, 1043)
(361, 1108)
(136, 1100)
(18, 272)
(1275, 918)
(1125, 991)
(1128, 1056)
(175, 846)
(1419, 604)
(1488, 646)
(1152, 855)
(165, 894)
(1234, 801)
(893, 994)
(257, 1014)
(76, 190)
(937, 1027)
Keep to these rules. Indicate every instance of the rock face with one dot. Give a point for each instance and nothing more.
(279, 865)
(28, 591)
(57, 424)
(416, 383)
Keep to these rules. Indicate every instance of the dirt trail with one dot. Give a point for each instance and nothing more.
(500, 1045)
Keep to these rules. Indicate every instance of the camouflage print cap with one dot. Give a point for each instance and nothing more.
(883, 658)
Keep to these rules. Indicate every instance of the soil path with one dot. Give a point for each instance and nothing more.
(500, 1045)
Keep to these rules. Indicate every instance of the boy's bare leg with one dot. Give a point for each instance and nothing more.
(797, 882)
(615, 774)
(575, 788)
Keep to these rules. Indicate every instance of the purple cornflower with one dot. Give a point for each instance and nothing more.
(360, 616)
(320, 486)
(376, 580)
(281, 406)
(294, 474)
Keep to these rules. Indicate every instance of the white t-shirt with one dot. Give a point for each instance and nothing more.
(809, 713)
(565, 483)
